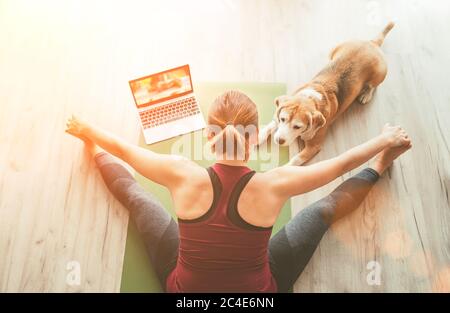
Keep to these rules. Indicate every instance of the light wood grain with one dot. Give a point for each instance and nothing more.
(63, 57)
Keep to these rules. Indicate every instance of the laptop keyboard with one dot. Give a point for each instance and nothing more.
(169, 112)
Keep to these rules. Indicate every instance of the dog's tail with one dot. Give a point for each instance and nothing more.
(380, 38)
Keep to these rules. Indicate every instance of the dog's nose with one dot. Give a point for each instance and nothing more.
(281, 141)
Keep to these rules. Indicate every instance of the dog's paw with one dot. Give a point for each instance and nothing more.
(366, 95)
(364, 98)
(297, 161)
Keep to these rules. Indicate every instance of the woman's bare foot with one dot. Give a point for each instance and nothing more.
(384, 159)
(77, 127)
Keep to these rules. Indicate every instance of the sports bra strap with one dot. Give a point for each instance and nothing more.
(217, 190)
(233, 213)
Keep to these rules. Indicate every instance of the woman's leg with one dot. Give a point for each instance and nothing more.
(293, 246)
(157, 228)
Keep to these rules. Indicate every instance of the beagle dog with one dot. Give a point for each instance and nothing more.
(355, 69)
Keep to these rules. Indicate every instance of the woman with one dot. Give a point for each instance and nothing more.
(226, 212)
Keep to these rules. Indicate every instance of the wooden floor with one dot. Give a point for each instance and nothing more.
(58, 58)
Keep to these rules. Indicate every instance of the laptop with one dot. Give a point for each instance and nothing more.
(166, 104)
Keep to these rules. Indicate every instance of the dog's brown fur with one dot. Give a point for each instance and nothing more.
(355, 69)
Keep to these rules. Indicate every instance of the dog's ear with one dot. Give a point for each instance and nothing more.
(279, 100)
(318, 120)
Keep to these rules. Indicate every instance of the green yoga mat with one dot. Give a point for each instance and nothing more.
(138, 275)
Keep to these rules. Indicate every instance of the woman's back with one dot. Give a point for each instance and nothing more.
(220, 251)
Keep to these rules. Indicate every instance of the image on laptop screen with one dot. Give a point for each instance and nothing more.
(161, 86)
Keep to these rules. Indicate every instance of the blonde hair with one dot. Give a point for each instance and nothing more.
(232, 119)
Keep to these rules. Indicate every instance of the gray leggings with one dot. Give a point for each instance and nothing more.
(289, 250)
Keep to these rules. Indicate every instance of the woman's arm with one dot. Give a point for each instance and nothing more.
(293, 180)
(164, 169)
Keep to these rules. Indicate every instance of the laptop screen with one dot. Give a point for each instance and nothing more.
(161, 86)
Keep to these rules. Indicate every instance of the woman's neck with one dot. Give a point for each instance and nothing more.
(233, 162)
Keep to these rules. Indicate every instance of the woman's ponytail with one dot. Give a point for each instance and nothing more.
(232, 118)
(230, 143)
